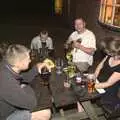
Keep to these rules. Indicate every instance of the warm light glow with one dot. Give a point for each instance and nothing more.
(58, 6)
(110, 12)
(109, 2)
(108, 17)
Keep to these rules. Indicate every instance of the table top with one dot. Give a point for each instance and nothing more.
(62, 96)
(66, 96)
(81, 93)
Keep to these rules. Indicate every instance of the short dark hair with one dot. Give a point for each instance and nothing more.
(44, 32)
(80, 18)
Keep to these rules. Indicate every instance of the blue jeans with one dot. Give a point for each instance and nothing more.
(20, 115)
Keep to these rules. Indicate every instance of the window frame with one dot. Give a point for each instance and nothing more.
(103, 18)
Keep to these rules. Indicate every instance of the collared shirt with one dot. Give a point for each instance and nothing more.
(36, 43)
(88, 40)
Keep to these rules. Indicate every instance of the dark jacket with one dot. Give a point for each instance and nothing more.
(12, 96)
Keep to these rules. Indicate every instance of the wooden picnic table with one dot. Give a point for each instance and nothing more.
(67, 96)
(56, 93)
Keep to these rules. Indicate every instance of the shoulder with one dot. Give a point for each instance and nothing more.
(74, 33)
(49, 39)
(89, 32)
(36, 38)
(89, 35)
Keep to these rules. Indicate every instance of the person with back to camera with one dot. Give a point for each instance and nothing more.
(42, 42)
(108, 73)
(17, 100)
(83, 56)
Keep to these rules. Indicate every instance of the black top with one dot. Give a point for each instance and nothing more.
(106, 72)
(109, 99)
(12, 96)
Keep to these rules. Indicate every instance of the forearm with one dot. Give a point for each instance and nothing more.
(97, 71)
(100, 66)
(114, 78)
(87, 50)
(101, 85)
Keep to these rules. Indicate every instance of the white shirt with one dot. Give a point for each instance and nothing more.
(88, 40)
(36, 43)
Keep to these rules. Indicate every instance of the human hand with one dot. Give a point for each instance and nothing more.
(49, 62)
(43, 65)
(76, 44)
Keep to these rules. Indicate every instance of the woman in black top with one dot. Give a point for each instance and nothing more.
(108, 72)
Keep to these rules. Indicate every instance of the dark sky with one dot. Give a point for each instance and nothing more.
(26, 6)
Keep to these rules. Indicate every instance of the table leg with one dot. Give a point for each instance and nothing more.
(88, 107)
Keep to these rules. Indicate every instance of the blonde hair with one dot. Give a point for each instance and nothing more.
(111, 45)
(15, 52)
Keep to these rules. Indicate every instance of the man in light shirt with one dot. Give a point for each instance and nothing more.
(42, 42)
(83, 56)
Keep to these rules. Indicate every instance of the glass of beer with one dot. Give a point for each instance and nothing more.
(91, 83)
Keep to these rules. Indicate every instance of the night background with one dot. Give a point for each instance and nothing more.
(21, 20)
(18, 7)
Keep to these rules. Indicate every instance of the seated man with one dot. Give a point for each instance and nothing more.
(17, 99)
(42, 43)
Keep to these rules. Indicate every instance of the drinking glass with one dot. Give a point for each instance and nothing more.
(45, 75)
(91, 83)
(59, 65)
(80, 79)
(67, 82)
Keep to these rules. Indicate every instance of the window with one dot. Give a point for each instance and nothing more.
(58, 7)
(110, 12)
